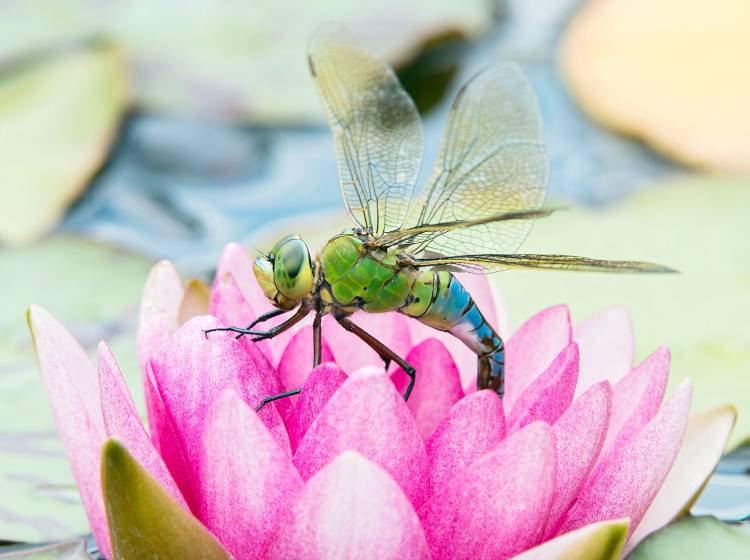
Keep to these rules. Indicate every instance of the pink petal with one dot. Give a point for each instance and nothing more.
(160, 308)
(625, 483)
(437, 387)
(70, 381)
(240, 301)
(350, 509)
(392, 329)
(247, 480)
(163, 432)
(322, 382)
(579, 434)
(532, 348)
(607, 347)
(121, 421)
(550, 394)
(473, 426)
(498, 506)
(494, 309)
(636, 398)
(705, 439)
(297, 359)
(191, 370)
(366, 414)
(230, 308)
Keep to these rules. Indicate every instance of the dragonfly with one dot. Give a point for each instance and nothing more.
(487, 188)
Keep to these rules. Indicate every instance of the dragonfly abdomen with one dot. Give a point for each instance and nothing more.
(451, 308)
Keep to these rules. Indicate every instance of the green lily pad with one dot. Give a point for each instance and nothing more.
(232, 59)
(695, 538)
(144, 520)
(72, 550)
(696, 224)
(58, 118)
(94, 290)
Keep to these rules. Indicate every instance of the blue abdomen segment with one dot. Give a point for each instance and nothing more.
(453, 309)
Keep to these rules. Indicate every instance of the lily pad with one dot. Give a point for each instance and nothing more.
(58, 118)
(71, 550)
(695, 538)
(232, 59)
(675, 78)
(697, 225)
(95, 291)
(144, 520)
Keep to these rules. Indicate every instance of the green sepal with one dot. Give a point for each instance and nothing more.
(144, 520)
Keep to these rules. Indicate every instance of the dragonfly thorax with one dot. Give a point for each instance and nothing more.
(286, 274)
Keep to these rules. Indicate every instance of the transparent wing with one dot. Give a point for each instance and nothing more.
(376, 130)
(491, 162)
(549, 262)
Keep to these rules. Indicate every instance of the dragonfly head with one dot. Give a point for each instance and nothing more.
(285, 275)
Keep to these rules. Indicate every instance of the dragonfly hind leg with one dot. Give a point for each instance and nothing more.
(383, 351)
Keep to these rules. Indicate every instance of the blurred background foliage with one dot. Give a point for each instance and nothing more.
(141, 130)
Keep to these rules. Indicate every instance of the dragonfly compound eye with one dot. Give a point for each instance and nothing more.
(292, 268)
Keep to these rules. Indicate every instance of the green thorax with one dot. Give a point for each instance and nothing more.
(370, 280)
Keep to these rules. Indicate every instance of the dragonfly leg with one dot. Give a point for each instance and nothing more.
(300, 314)
(278, 396)
(264, 317)
(316, 362)
(316, 339)
(383, 351)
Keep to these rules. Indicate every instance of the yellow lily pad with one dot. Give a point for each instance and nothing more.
(672, 73)
(58, 118)
(698, 225)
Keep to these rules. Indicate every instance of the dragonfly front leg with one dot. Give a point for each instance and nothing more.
(264, 317)
(300, 314)
(383, 351)
(316, 363)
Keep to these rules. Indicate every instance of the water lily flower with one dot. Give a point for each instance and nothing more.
(575, 457)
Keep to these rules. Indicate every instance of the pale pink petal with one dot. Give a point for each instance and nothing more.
(625, 484)
(191, 370)
(297, 359)
(550, 394)
(158, 316)
(249, 300)
(494, 310)
(160, 307)
(532, 348)
(437, 387)
(636, 398)
(247, 480)
(350, 509)
(392, 329)
(70, 381)
(322, 382)
(607, 347)
(367, 415)
(473, 426)
(497, 507)
(706, 437)
(579, 434)
(121, 421)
